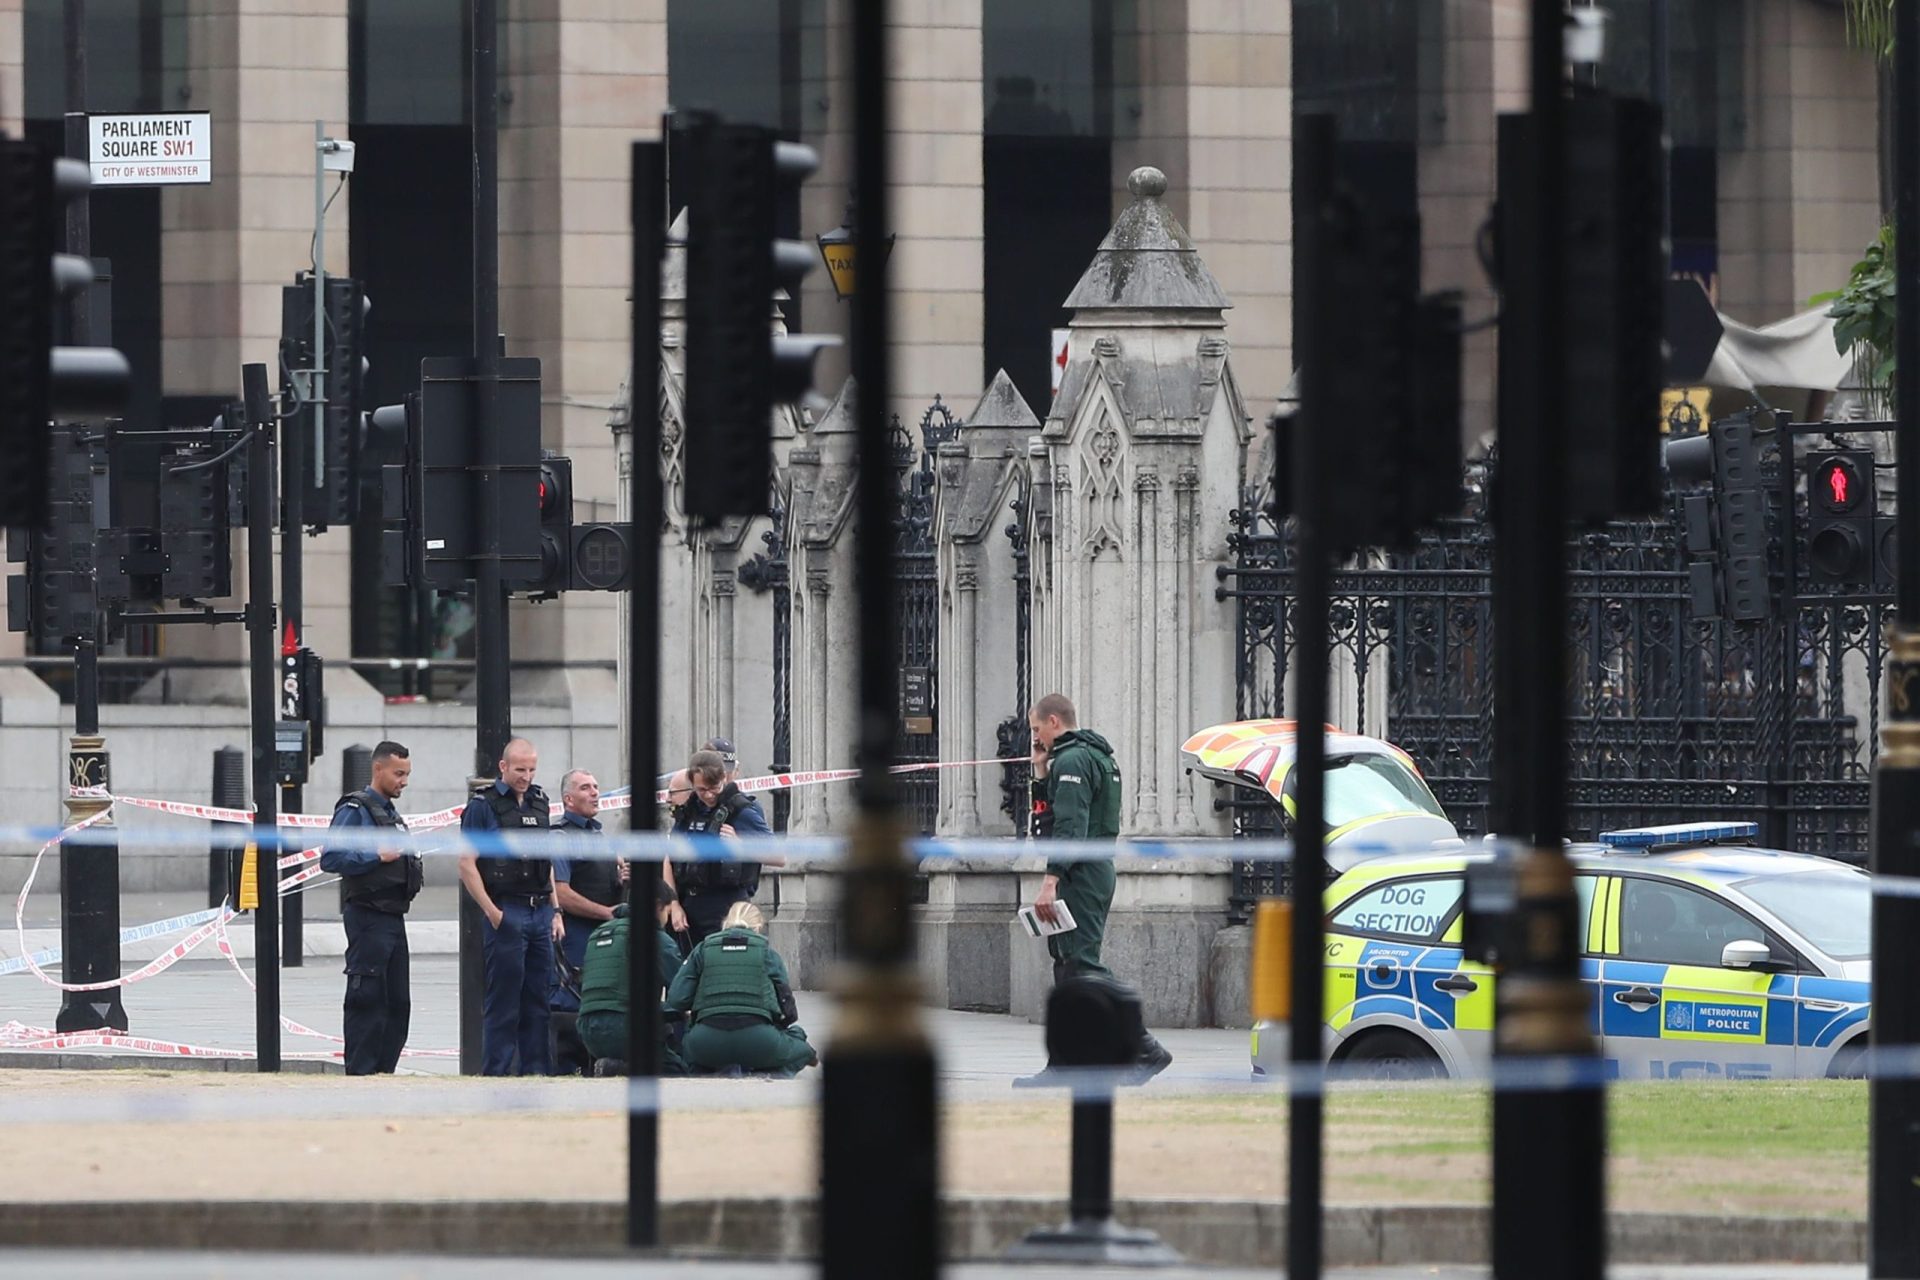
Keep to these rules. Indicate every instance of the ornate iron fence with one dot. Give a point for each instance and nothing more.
(917, 590)
(767, 571)
(1670, 718)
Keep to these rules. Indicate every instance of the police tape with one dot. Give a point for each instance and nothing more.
(447, 816)
(133, 933)
(224, 945)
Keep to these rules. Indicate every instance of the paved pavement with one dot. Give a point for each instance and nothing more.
(204, 1002)
(103, 1265)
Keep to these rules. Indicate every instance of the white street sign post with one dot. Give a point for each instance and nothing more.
(150, 150)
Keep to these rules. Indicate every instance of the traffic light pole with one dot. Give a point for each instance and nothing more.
(260, 672)
(1893, 1107)
(89, 869)
(880, 1171)
(292, 592)
(1549, 1193)
(493, 707)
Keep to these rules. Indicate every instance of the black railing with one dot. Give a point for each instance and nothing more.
(1671, 718)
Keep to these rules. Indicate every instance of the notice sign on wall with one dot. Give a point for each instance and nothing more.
(150, 150)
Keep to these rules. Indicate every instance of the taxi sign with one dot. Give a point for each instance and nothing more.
(1678, 835)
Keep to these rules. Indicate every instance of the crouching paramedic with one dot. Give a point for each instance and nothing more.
(603, 991)
(735, 990)
(379, 881)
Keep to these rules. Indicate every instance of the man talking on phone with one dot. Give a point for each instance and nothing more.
(1076, 790)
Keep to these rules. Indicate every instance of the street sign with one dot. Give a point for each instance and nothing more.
(150, 150)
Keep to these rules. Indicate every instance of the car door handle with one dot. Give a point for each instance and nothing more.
(1638, 997)
(1456, 982)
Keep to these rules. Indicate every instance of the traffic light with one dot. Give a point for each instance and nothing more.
(334, 499)
(39, 381)
(196, 549)
(54, 600)
(1726, 527)
(1886, 559)
(556, 526)
(737, 368)
(1397, 465)
(1840, 517)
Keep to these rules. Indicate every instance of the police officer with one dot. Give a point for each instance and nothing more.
(735, 989)
(380, 882)
(709, 888)
(586, 890)
(515, 894)
(1077, 797)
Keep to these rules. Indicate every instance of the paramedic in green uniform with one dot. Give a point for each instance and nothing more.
(602, 1024)
(736, 994)
(1077, 797)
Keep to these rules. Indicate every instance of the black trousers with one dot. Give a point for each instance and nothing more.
(705, 910)
(379, 1002)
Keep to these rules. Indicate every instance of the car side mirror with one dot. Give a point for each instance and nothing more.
(1745, 953)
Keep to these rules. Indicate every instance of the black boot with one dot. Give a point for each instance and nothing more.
(1154, 1058)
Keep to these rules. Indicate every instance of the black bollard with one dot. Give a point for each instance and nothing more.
(1093, 1023)
(229, 839)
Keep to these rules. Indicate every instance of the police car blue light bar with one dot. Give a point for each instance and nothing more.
(1678, 834)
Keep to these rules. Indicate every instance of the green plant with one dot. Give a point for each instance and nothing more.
(1864, 313)
(1870, 25)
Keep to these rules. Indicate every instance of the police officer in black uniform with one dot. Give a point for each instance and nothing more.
(515, 894)
(379, 883)
(709, 888)
(586, 890)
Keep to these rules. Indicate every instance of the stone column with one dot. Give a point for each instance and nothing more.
(1147, 443)
(978, 477)
(586, 82)
(13, 71)
(822, 476)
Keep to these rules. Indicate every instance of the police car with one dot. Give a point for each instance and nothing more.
(1702, 957)
(1376, 798)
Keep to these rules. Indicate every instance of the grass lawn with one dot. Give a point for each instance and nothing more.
(1775, 1147)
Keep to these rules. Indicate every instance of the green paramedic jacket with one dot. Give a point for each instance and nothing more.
(603, 974)
(734, 971)
(1082, 790)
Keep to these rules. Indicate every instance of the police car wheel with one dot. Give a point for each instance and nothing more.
(1391, 1055)
(1849, 1063)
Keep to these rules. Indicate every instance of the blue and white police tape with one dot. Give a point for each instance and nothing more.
(133, 933)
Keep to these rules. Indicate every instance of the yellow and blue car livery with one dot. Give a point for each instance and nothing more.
(1702, 958)
(1377, 800)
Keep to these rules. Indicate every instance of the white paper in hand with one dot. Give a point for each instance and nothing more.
(1038, 928)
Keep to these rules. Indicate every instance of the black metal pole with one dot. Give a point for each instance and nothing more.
(1893, 1204)
(1313, 169)
(493, 705)
(1660, 82)
(1549, 1194)
(1090, 1189)
(89, 868)
(293, 485)
(879, 1144)
(643, 690)
(261, 670)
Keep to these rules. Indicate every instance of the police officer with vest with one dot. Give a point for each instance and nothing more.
(735, 990)
(586, 890)
(515, 894)
(379, 883)
(603, 991)
(709, 888)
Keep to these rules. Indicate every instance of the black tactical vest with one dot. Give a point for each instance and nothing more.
(715, 876)
(594, 879)
(390, 886)
(517, 877)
